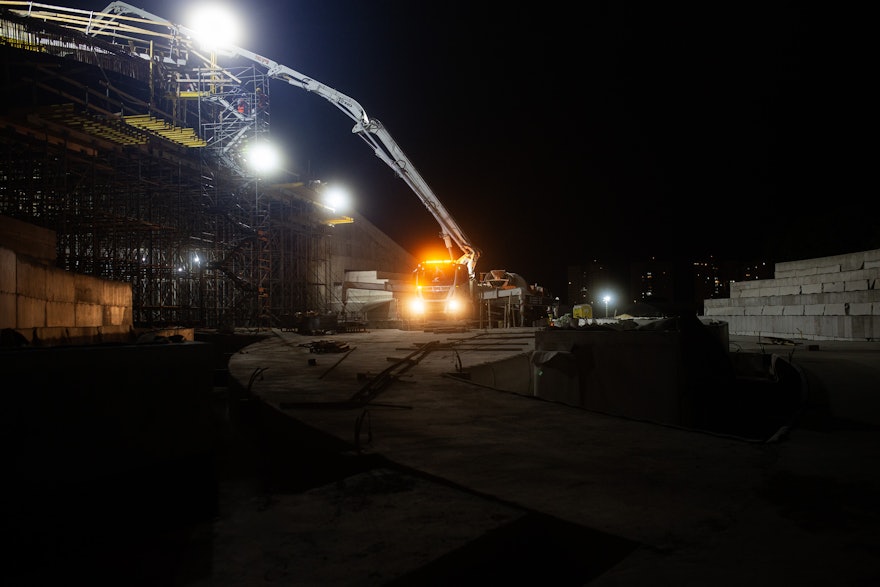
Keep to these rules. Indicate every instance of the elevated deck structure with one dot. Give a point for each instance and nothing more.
(129, 142)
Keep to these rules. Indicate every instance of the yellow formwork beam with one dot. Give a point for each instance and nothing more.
(182, 136)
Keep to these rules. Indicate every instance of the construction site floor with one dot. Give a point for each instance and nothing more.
(432, 480)
(367, 458)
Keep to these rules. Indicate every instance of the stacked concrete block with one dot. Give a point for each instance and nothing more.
(829, 298)
(48, 305)
(61, 299)
(7, 288)
(30, 299)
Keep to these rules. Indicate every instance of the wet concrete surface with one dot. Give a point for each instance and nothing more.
(360, 468)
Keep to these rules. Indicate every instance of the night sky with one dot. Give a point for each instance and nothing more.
(614, 131)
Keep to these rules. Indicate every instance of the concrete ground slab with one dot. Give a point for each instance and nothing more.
(376, 458)
(681, 507)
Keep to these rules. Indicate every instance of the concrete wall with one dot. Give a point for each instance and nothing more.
(47, 305)
(600, 368)
(829, 298)
(675, 372)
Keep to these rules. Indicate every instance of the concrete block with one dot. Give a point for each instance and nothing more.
(807, 298)
(857, 285)
(814, 310)
(750, 293)
(760, 325)
(52, 335)
(794, 310)
(116, 293)
(809, 280)
(863, 259)
(833, 286)
(826, 269)
(29, 312)
(754, 310)
(836, 309)
(811, 288)
(724, 311)
(513, 374)
(113, 315)
(780, 325)
(838, 326)
(865, 296)
(864, 309)
(60, 286)
(59, 314)
(846, 262)
(772, 310)
(788, 290)
(8, 318)
(745, 285)
(7, 271)
(30, 278)
(88, 289)
(721, 303)
(88, 315)
(860, 274)
(863, 328)
(595, 370)
(810, 327)
(781, 282)
(803, 272)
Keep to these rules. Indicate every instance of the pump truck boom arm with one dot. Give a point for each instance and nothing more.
(369, 129)
(385, 148)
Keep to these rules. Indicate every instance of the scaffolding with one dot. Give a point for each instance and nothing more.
(133, 148)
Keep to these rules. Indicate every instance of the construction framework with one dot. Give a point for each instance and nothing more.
(132, 146)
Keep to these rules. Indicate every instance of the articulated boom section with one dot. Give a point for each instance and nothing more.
(385, 148)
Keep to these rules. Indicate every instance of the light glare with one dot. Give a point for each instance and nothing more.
(262, 157)
(336, 198)
(214, 26)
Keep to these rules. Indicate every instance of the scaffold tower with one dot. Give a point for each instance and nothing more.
(133, 145)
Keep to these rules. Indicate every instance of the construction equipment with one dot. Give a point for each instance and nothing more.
(443, 288)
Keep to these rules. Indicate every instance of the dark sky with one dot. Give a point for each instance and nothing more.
(604, 130)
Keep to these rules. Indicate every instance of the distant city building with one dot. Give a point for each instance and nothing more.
(663, 283)
(585, 282)
(651, 281)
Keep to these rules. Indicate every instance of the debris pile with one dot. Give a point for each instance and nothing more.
(326, 346)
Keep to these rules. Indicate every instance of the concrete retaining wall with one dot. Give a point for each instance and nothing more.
(47, 305)
(675, 372)
(829, 298)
